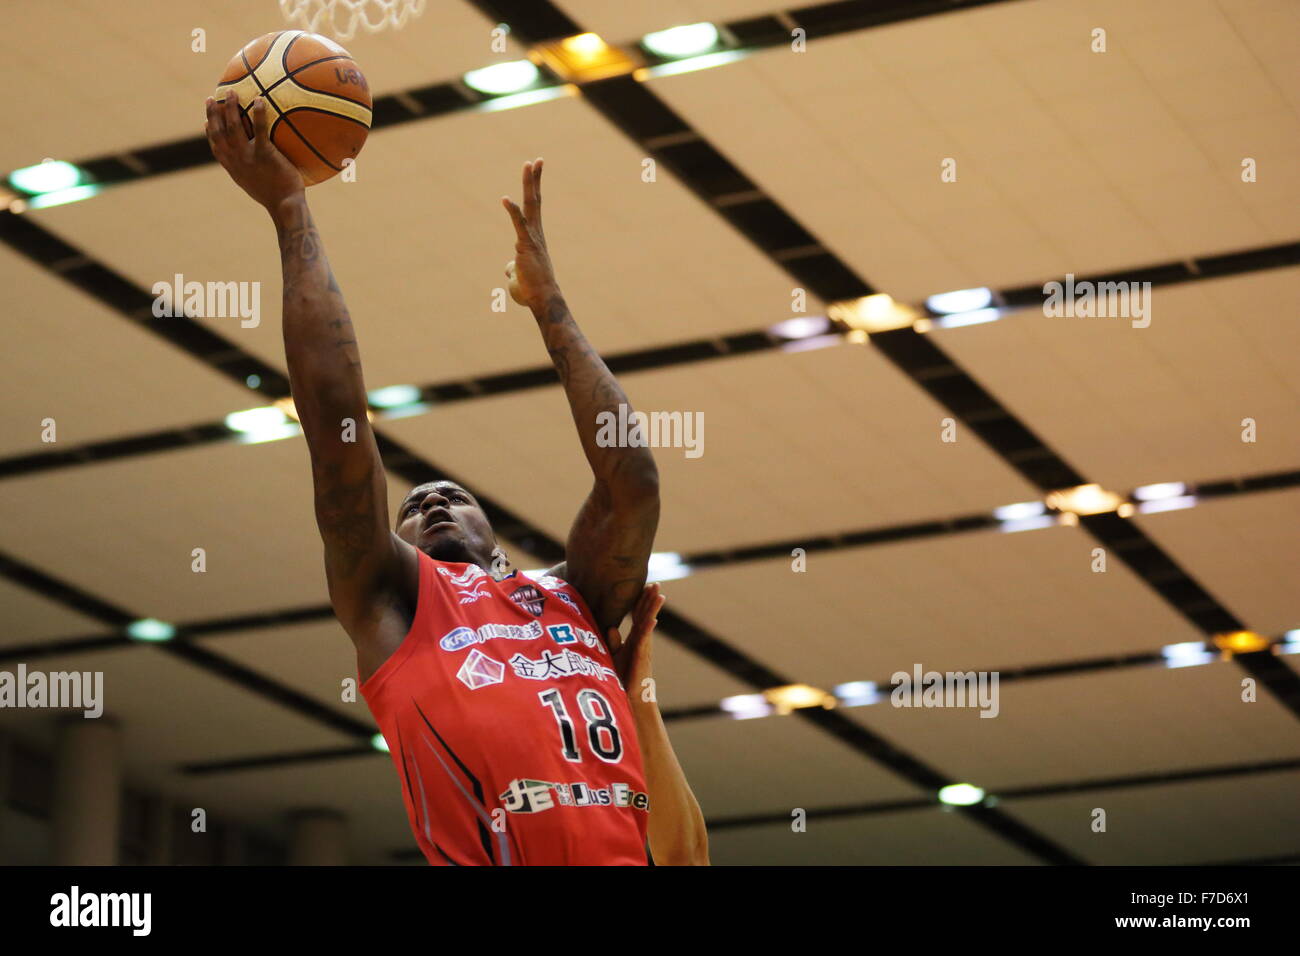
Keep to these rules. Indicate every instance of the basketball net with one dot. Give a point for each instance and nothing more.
(342, 17)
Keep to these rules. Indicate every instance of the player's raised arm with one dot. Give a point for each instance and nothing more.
(363, 560)
(609, 543)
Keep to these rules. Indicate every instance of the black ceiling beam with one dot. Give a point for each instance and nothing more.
(1259, 259)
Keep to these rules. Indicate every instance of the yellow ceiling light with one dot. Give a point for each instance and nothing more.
(1084, 500)
(873, 313)
(291, 412)
(588, 45)
(1241, 642)
(584, 58)
(797, 696)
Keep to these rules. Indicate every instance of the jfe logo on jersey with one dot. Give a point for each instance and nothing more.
(534, 796)
(528, 796)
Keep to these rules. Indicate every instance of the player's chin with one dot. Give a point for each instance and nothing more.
(445, 544)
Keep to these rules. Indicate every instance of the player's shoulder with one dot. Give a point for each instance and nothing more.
(553, 578)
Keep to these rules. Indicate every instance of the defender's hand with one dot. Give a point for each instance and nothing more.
(632, 656)
(532, 279)
(256, 165)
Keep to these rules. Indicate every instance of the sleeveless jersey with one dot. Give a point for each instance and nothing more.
(511, 733)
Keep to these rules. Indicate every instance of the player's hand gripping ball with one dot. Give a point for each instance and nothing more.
(318, 101)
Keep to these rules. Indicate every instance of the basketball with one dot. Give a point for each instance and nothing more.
(318, 98)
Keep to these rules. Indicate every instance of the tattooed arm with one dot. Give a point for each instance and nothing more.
(364, 561)
(609, 543)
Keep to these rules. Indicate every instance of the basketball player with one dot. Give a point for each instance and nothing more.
(502, 704)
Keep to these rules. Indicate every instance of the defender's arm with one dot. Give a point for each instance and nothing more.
(676, 830)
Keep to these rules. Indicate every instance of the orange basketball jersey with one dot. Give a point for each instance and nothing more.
(511, 733)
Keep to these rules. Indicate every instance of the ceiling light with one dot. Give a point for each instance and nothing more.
(677, 42)
(1186, 654)
(800, 327)
(689, 64)
(391, 396)
(960, 795)
(666, 566)
(746, 706)
(53, 175)
(150, 629)
(857, 693)
(401, 411)
(1166, 489)
(502, 78)
(588, 45)
(262, 424)
(256, 419)
(1167, 504)
(962, 300)
(873, 313)
(1023, 509)
(584, 58)
(61, 196)
(1084, 500)
(1241, 642)
(797, 696)
(1029, 524)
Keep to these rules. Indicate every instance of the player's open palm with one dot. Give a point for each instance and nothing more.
(259, 168)
(632, 658)
(532, 279)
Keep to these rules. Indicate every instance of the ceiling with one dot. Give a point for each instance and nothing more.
(779, 170)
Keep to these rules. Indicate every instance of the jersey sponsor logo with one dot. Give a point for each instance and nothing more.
(467, 577)
(529, 598)
(528, 796)
(567, 634)
(471, 584)
(462, 637)
(533, 796)
(556, 587)
(567, 600)
(469, 597)
(565, 664)
(479, 670)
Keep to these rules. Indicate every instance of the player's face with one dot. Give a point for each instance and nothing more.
(444, 521)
